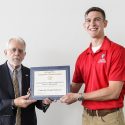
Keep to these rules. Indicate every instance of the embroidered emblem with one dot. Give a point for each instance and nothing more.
(103, 55)
(102, 59)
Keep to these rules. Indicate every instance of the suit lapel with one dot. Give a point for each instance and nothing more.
(8, 81)
(25, 80)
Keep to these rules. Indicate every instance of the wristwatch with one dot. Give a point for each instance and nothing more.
(81, 97)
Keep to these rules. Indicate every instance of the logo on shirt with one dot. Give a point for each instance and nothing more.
(102, 59)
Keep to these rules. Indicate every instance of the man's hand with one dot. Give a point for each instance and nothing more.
(23, 101)
(69, 98)
(47, 101)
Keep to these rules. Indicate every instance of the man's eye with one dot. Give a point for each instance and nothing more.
(98, 19)
(14, 49)
(87, 21)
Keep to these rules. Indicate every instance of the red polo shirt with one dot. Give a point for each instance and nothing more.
(97, 69)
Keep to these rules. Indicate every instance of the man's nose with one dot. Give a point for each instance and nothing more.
(92, 23)
(17, 52)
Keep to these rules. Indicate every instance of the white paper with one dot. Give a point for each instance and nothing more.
(50, 83)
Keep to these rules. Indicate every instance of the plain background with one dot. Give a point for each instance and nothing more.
(53, 31)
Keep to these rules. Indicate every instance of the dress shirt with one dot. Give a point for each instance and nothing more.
(19, 76)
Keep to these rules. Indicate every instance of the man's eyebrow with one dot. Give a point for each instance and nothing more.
(94, 18)
(98, 17)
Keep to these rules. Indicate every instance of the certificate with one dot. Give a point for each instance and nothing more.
(49, 82)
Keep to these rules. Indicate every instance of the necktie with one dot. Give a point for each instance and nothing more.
(16, 91)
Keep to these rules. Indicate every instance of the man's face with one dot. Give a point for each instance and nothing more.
(95, 24)
(15, 53)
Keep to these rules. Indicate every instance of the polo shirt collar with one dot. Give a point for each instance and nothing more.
(105, 45)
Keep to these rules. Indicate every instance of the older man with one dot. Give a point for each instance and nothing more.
(15, 106)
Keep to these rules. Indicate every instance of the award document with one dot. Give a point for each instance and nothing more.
(49, 82)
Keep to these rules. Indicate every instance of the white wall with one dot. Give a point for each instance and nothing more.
(54, 34)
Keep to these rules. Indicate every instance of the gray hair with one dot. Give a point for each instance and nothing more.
(17, 39)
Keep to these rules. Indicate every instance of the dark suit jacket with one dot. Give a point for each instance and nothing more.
(7, 112)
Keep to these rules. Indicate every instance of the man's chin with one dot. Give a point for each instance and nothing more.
(93, 35)
(15, 64)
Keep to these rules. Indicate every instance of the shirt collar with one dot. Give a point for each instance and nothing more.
(105, 45)
(11, 68)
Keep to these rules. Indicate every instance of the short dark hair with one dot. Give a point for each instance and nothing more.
(96, 9)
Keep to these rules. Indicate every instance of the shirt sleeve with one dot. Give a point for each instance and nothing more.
(77, 76)
(117, 69)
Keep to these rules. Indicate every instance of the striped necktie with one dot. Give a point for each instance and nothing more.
(16, 91)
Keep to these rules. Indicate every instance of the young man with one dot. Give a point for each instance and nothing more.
(102, 68)
(15, 106)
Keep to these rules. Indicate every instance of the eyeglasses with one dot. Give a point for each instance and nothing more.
(13, 50)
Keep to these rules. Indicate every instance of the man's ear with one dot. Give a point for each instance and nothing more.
(105, 23)
(5, 52)
(25, 54)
